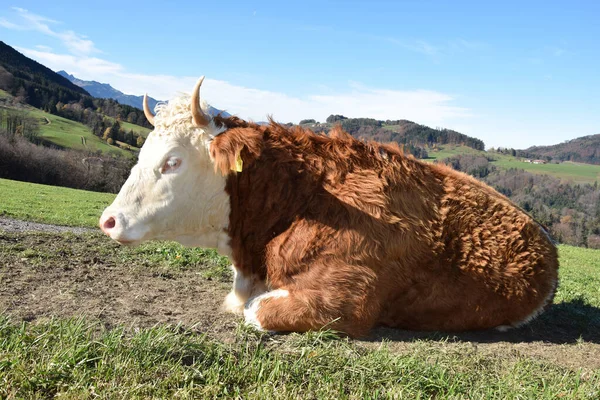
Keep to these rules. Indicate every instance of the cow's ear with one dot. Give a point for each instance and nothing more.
(236, 149)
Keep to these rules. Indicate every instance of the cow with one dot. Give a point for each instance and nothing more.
(331, 231)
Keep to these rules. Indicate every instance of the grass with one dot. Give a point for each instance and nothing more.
(68, 134)
(580, 275)
(449, 151)
(77, 359)
(576, 172)
(51, 204)
(127, 126)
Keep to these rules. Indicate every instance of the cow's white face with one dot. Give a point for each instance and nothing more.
(173, 193)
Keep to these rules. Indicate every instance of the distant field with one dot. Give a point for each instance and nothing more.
(576, 172)
(136, 128)
(67, 133)
(52, 204)
(449, 151)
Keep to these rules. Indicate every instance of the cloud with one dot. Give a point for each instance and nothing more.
(356, 100)
(27, 21)
(429, 107)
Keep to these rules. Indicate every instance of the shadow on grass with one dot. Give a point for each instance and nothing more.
(563, 323)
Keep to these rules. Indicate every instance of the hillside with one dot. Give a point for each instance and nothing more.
(30, 83)
(21, 67)
(414, 137)
(585, 149)
(61, 132)
(33, 83)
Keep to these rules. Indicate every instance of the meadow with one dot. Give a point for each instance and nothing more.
(68, 134)
(570, 171)
(83, 317)
(51, 204)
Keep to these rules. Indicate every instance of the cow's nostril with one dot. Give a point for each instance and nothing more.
(109, 223)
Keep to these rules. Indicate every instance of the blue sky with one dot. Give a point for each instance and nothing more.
(514, 74)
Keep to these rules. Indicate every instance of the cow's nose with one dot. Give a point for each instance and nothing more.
(107, 223)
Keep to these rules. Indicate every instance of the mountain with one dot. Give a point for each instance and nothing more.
(585, 149)
(106, 91)
(24, 68)
(31, 82)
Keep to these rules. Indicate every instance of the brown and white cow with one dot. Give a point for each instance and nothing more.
(332, 231)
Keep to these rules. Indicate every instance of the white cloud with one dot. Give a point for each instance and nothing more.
(25, 20)
(428, 107)
(42, 47)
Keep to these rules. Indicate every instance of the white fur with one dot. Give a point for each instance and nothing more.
(188, 204)
(243, 288)
(251, 310)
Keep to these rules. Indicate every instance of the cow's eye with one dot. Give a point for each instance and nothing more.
(170, 165)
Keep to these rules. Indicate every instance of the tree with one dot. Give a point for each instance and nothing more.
(107, 134)
(140, 141)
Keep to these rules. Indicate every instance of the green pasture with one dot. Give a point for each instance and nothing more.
(51, 204)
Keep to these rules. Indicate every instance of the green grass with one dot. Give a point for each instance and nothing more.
(68, 134)
(136, 128)
(577, 172)
(77, 359)
(449, 151)
(51, 204)
(580, 275)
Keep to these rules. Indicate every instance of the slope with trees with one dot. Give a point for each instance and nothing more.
(585, 149)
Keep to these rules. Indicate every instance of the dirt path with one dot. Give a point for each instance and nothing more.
(15, 225)
(43, 275)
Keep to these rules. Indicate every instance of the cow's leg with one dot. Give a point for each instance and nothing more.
(289, 310)
(244, 287)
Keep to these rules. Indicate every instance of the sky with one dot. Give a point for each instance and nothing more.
(512, 73)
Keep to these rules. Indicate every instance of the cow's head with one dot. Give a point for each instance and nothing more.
(173, 192)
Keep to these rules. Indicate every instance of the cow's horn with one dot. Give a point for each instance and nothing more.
(147, 112)
(200, 119)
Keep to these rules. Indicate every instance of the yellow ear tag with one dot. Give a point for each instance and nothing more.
(239, 164)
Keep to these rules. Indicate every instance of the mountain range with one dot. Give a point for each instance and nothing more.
(106, 91)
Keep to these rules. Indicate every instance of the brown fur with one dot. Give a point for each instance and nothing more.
(361, 234)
